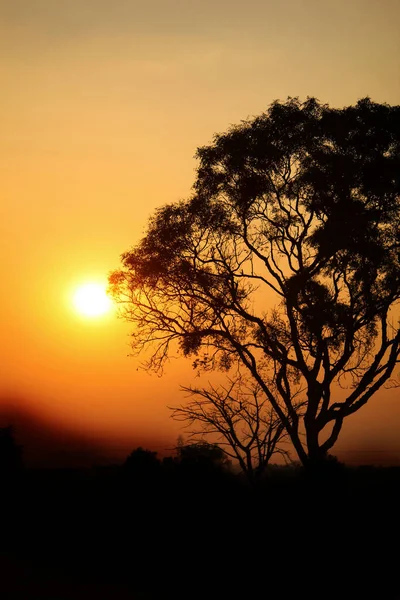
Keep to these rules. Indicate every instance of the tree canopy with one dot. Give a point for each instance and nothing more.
(286, 260)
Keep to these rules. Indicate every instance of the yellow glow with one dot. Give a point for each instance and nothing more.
(91, 300)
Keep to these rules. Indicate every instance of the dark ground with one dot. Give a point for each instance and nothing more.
(111, 533)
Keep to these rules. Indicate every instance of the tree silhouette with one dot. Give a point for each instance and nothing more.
(201, 458)
(286, 258)
(143, 465)
(10, 452)
(242, 420)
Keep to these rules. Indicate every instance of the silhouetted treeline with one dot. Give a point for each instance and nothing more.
(189, 526)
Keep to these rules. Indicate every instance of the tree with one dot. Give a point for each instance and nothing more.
(201, 458)
(242, 420)
(287, 258)
(143, 464)
(10, 452)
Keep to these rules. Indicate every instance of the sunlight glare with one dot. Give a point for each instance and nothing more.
(91, 300)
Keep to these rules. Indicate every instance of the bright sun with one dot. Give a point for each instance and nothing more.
(91, 300)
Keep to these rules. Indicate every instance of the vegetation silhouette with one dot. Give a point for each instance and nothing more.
(285, 260)
(202, 460)
(190, 524)
(143, 467)
(303, 201)
(242, 420)
(10, 452)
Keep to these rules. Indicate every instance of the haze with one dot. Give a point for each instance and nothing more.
(102, 107)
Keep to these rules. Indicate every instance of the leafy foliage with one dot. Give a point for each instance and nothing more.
(286, 258)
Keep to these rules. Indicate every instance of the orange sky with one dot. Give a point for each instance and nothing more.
(102, 107)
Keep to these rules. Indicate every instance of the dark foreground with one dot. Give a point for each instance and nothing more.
(108, 533)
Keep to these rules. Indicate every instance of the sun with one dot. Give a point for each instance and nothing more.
(91, 300)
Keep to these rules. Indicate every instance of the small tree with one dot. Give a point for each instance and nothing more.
(240, 418)
(201, 458)
(143, 464)
(286, 258)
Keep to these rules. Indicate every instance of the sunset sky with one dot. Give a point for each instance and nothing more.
(103, 104)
